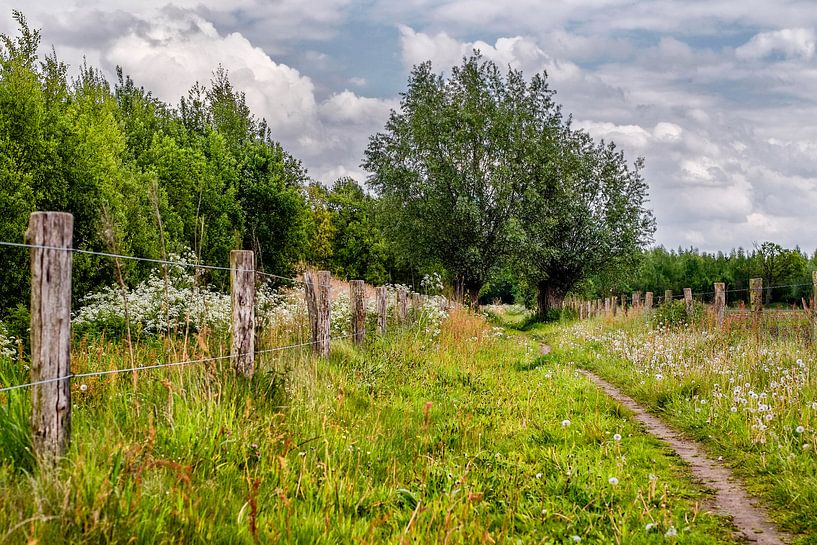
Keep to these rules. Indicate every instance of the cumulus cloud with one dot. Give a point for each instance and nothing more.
(790, 42)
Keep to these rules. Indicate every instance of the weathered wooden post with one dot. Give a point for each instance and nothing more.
(382, 306)
(648, 300)
(324, 306)
(756, 297)
(51, 332)
(814, 305)
(720, 302)
(623, 304)
(357, 303)
(636, 300)
(402, 306)
(242, 330)
(667, 296)
(606, 306)
(311, 296)
(613, 304)
(688, 302)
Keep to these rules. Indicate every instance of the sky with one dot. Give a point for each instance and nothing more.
(718, 96)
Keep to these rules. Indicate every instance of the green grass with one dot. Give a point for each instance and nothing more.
(406, 440)
(750, 398)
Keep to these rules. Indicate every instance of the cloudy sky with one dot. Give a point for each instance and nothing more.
(717, 95)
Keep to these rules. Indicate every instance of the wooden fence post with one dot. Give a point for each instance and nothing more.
(720, 302)
(242, 331)
(667, 296)
(606, 306)
(402, 306)
(311, 296)
(688, 301)
(636, 300)
(756, 297)
(814, 305)
(324, 306)
(623, 304)
(382, 306)
(357, 302)
(613, 305)
(51, 332)
(648, 300)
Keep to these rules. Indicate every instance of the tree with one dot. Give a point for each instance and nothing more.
(587, 217)
(451, 165)
(776, 264)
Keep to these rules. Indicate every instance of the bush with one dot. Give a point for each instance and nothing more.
(674, 314)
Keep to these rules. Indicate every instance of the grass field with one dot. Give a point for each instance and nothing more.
(470, 437)
(749, 395)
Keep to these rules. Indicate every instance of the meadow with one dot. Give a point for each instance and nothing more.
(747, 392)
(448, 430)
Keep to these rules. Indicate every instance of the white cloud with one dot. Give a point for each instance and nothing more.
(791, 42)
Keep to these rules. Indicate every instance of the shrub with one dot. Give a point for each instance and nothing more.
(674, 314)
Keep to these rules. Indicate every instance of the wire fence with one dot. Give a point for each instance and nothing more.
(183, 264)
(161, 365)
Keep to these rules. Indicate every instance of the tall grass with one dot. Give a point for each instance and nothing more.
(747, 390)
(466, 436)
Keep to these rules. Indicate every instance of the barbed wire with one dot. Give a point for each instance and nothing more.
(159, 365)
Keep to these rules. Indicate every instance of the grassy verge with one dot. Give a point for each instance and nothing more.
(472, 437)
(750, 398)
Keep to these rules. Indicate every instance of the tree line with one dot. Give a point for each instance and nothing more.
(786, 273)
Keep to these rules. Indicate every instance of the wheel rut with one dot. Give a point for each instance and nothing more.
(752, 522)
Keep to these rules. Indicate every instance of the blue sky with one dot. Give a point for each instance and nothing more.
(718, 96)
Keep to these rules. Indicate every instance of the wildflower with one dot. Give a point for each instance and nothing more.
(575, 538)
(671, 532)
(565, 423)
(734, 409)
(617, 437)
(649, 526)
(613, 481)
(83, 387)
(653, 477)
(799, 429)
(538, 475)
(806, 446)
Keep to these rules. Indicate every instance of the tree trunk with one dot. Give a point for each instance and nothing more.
(472, 290)
(466, 292)
(547, 297)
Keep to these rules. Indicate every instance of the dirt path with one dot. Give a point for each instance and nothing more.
(750, 519)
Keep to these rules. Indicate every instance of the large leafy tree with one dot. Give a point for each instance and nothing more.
(452, 164)
(587, 217)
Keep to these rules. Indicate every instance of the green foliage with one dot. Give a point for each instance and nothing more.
(139, 176)
(449, 166)
(585, 217)
(660, 269)
(674, 314)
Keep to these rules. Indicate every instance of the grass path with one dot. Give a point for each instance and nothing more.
(751, 520)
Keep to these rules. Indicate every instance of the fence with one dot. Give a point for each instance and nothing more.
(49, 239)
(609, 306)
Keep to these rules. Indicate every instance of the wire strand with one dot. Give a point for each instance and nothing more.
(142, 259)
(157, 366)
